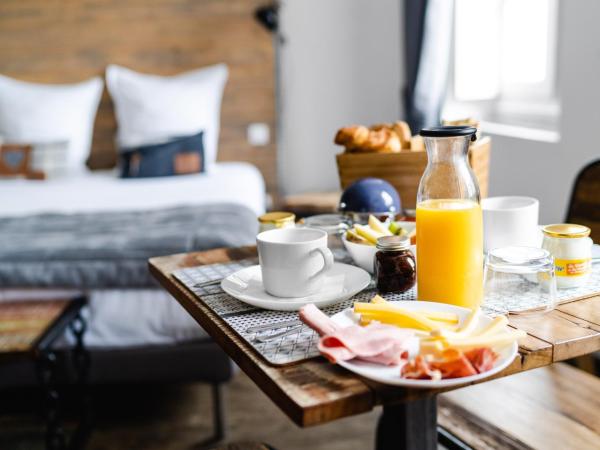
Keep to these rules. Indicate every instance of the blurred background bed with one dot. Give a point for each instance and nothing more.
(137, 333)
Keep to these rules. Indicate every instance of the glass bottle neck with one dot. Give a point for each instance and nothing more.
(448, 174)
(447, 149)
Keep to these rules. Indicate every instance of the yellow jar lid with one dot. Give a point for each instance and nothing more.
(277, 217)
(566, 230)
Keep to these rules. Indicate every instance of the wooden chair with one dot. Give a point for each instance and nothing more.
(15, 161)
(556, 407)
(584, 207)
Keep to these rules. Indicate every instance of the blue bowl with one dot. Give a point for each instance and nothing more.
(370, 196)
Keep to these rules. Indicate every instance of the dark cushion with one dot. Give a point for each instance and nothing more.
(177, 157)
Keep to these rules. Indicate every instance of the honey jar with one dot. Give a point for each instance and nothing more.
(571, 247)
(276, 219)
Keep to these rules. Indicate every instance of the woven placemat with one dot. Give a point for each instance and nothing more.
(302, 344)
(295, 347)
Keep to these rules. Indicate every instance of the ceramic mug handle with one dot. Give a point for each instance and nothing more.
(327, 259)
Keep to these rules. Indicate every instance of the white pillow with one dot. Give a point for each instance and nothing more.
(151, 109)
(32, 113)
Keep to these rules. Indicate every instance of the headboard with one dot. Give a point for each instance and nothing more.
(59, 41)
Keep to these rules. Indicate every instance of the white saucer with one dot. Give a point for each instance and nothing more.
(341, 282)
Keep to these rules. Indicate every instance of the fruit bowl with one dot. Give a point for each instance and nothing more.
(362, 254)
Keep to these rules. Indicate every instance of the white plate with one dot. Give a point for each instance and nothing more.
(391, 374)
(246, 286)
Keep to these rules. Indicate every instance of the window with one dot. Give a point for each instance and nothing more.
(504, 65)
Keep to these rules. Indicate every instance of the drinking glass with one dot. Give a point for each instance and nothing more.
(519, 280)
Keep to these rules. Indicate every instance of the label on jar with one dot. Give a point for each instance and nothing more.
(572, 267)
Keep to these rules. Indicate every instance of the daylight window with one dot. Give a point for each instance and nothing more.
(504, 50)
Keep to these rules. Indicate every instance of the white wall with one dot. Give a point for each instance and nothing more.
(339, 65)
(547, 171)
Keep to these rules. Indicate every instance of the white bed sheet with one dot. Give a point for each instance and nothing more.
(134, 317)
(232, 182)
(123, 317)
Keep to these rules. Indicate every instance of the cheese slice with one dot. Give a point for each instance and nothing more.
(494, 340)
(441, 316)
(387, 313)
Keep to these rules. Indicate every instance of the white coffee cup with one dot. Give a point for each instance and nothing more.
(510, 221)
(293, 261)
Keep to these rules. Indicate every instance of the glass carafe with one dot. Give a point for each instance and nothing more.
(449, 221)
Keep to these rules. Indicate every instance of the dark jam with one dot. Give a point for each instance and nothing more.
(395, 266)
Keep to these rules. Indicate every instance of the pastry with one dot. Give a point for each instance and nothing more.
(380, 138)
(403, 131)
(352, 137)
(383, 141)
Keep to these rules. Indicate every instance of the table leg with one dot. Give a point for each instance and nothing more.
(55, 435)
(408, 426)
(81, 362)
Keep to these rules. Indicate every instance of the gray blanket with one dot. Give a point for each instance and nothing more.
(103, 250)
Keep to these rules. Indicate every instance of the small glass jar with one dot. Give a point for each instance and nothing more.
(277, 219)
(571, 247)
(335, 225)
(395, 266)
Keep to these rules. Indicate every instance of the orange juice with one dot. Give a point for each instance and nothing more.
(450, 252)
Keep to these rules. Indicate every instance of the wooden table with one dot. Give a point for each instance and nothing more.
(311, 203)
(28, 328)
(314, 391)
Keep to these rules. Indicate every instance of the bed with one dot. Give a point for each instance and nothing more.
(158, 319)
(138, 333)
(97, 191)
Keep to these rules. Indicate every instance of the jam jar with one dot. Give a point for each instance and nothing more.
(395, 266)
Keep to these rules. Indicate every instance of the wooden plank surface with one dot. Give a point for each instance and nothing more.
(23, 323)
(316, 391)
(56, 41)
(551, 408)
(568, 336)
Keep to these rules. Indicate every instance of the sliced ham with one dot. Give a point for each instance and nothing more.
(482, 359)
(378, 343)
(451, 363)
(419, 369)
(317, 320)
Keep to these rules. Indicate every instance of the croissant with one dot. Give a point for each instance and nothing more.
(381, 138)
(352, 137)
(403, 131)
